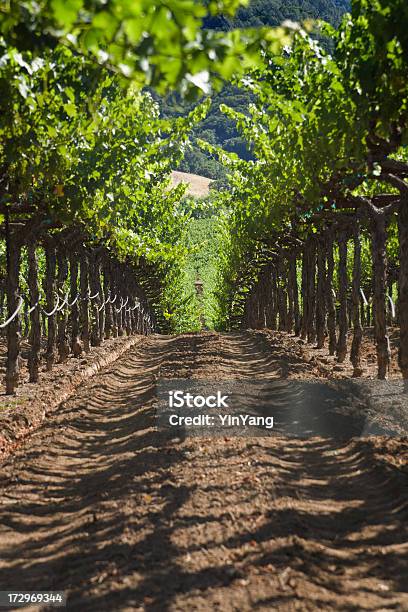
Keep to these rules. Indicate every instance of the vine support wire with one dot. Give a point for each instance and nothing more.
(364, 297)
(74, 302)
(104, 304)
(15, 313)
(50, 314)
(34, 307)
(64, 303)
(119, 310)
(122, 306)
(393, 312)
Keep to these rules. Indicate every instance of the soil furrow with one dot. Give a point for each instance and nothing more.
(122, 516)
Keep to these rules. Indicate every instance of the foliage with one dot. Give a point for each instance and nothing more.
(320, 131)
(161, 44)
(218, 128)
(191, 311)
(81, 152)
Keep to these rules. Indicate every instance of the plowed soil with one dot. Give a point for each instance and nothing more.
(100, 504)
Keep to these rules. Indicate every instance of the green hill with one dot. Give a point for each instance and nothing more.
(274, 12)
(216, 128)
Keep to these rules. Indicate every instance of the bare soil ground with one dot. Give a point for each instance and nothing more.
(22, 413)
(198, 186)
(323, 364)
(121, 516)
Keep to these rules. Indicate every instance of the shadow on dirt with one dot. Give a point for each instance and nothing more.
(93, 504)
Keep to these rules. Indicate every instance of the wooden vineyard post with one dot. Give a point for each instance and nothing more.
(329, 291)
(128, 325)
(245, 324)
(264, 297)
(13, 246)
(291, 296)
(320, 297)
(379, 255)
(76, 347)
(120, 300)
(137, 310)
(139, 316)
(62, 316)
(259, 301)
(51, 301)
(268, 296)
(274, 300)
(293, 283)
(125, 300)
(311, 291)
(3, 290)
(102, 305)
(35, 315)
(403, 284)
(114, 298)
(25, 317)
(132, 311)
(304, 290)
(355, 355)
(94, 288)
(108, 296)
(251, 311)
(343, 284)
(282, 304)
(84, 297)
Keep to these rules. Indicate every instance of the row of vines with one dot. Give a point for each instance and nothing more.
(315, 238)
(92, 233)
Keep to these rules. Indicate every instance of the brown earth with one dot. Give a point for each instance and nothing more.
(23, 412)
(198, 186)
(121, 516)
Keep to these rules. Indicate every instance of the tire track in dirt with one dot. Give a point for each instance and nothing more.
(122, 517)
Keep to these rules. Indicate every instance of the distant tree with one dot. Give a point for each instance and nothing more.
(216, 127)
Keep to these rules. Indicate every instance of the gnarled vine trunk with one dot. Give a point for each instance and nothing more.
(13, 300)
(305, 302)
(76, 346)
(329, 291)
(62, 317)
(343, 284)
(320, 295)
(355, 355)
(379, 255)
(35, 315)
(94, 287)
(84, 297)
(51, 301)
(403, 285)
(311, 292)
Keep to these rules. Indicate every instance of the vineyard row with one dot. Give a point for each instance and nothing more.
(79, 297)
(295, 289)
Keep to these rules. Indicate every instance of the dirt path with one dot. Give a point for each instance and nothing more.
(99, 504)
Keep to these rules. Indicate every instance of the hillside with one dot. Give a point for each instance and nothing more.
(198, 186)
(273, 12)
(216, 128)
